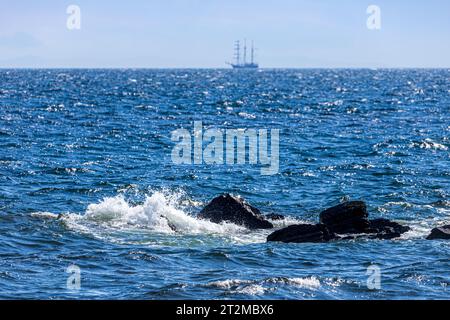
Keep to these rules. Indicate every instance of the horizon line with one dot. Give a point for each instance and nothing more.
(219, 68)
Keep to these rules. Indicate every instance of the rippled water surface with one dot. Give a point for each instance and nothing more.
(86, 178)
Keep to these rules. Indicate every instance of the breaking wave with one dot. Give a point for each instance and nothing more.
(160, 214)
(164, 214)
(156, 213)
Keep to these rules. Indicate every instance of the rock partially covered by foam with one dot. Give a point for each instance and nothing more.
(235, 210)
(302, 233)
(440, 233)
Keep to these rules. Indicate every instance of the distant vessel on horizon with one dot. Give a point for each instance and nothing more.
(238, 64)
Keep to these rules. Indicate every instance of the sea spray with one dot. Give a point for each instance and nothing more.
(156, 213)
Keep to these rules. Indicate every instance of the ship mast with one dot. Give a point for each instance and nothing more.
(245, 51)
(242, 62)
(253, 51)
(237, 52)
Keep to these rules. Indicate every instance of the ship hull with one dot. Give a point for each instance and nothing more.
(245, 66)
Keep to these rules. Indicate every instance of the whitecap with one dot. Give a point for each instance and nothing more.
(311, 282)
(163, 217)
(256, 287)
(156, 213)
(247, 115)
(251, 290)
(307, 282)
(45, 215)
(227, 284)
(429, 144)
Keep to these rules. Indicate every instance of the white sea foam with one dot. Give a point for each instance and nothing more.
(237, 286)
(256, 287)
(307, 282)
(247, 115)
(228, 284)
(419, 230)
(311, 282)
(252, 290)
(429, 144)
(157, 213)
(287, 221)
(44, 215)
(162, 213)
(433, 215)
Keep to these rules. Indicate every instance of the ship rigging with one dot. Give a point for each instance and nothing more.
(243, 64)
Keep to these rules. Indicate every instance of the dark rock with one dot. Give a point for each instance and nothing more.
(302, 233)
(348, 217)
(346, 221)
(440, 233)
(352, 218)
(378, 229)
(274, 216)
(378, 225)
(171, 226)
(386, 229)
(234, 209)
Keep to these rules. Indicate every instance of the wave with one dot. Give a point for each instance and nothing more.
(165, 214)
(421, 218)
(157, 213)
(258, 287)
(161, 214)
(429, 144)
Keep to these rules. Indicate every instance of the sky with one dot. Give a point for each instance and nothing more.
(201, 33)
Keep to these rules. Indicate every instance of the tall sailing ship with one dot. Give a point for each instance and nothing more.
(242, 63)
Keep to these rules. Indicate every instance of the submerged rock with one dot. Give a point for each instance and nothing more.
(348, 217)
(234, 209)
(440, 233)
(302, 233)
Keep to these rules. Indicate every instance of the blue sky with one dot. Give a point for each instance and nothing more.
(200, 33)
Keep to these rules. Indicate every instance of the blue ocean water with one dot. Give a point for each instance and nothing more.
(86, 179)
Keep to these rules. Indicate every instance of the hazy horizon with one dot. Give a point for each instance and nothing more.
(200, 34)
(221, 68)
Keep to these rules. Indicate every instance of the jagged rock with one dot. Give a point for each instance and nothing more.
(274, 216)
(348, 217)
(378, 229)
(302, 233)
(346, 221)
(234, 209)
(440, 233)
(386, 229)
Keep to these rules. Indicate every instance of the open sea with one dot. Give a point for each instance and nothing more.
(88, 187)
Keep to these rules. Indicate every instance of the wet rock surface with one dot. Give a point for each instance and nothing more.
(345, 221)
(302, 233)
(348, 217)
(386, 229)
(440, 233)
(229, 208)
